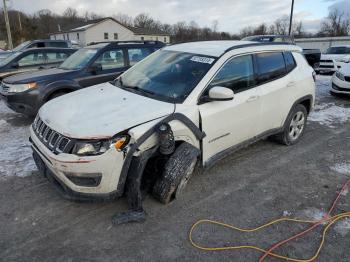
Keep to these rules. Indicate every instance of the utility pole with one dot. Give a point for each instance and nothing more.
(291, 18)
(9, 38)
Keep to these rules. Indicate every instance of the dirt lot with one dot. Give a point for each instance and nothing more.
(253, 186)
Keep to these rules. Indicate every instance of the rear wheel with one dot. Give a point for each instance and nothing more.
(294, 127)
(177, 172)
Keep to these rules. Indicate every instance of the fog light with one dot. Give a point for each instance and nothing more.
(85, 179)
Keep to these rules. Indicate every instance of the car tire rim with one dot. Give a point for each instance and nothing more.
(296, 125)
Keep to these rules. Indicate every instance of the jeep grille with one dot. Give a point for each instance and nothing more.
(53, 140)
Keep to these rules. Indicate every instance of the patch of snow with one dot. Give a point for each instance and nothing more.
(343, 227)
(314, 214)
(286, 213)
(15, 152)
(323, 86)
(330, 114)
(342, 168)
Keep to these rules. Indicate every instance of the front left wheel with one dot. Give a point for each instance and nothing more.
(177, 172)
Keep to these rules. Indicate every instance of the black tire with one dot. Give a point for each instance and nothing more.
(177, 171)
(289, 135)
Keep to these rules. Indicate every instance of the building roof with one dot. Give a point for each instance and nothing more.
(136, 30)
(218, 48)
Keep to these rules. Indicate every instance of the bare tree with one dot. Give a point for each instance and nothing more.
(124, 19)
(336, 24)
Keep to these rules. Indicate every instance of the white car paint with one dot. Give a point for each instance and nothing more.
(118, 110)
(105, 110)
(344, 84)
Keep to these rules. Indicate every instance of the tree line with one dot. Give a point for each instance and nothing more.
(42, 23)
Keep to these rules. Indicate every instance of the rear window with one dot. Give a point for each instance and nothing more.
(270, 66)
(290, 62)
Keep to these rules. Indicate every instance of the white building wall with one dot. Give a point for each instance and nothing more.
(96, 33)
(322, 43)
(162, 38)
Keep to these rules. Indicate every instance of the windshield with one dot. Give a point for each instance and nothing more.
(21, 46)
(343, 50)
(8, 59)
(166, 75)
(79, 59)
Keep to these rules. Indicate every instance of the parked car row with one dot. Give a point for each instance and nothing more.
(334, 58)
(41, 43)
(99, 63)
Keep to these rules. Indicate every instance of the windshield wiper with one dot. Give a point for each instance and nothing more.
(138, 89)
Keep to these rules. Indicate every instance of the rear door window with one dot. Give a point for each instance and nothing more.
(137, 54)
(111, 59)
(31, 59)
(270, 66)
(56, 57)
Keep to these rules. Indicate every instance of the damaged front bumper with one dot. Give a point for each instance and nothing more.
(80, 178)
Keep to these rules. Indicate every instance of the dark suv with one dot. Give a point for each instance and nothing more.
(40, 43)
(89, 66)
(33, 59)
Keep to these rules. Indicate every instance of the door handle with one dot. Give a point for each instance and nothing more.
(291, 84)
(252, 98)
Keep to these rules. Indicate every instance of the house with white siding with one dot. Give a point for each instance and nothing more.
(108, 29)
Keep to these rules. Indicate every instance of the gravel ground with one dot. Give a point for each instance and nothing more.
(253, 186)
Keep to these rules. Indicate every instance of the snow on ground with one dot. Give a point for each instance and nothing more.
(327, 113)
(342, 168)
(330, 114)
(15, 151)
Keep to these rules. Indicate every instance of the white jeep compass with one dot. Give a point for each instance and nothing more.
(185, 104)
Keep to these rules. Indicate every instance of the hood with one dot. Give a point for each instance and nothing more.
(100, 111)
(38, 75)
(333, 57)
(345, 69)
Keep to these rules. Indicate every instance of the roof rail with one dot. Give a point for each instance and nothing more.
(154, 42)
(257, 44)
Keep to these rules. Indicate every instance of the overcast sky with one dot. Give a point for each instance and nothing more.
(232, 15)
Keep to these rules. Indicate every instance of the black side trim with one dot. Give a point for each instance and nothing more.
(128, 159)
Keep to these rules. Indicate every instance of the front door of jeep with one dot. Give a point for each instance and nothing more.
(230, 123)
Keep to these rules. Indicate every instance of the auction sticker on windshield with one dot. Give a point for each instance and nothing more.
(202, 59)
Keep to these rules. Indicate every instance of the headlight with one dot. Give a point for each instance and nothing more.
(100, 147)
(20, 87)
(340, 76)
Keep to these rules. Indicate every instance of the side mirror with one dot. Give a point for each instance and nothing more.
(15, 65)
(220, 93)
(95, 68)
